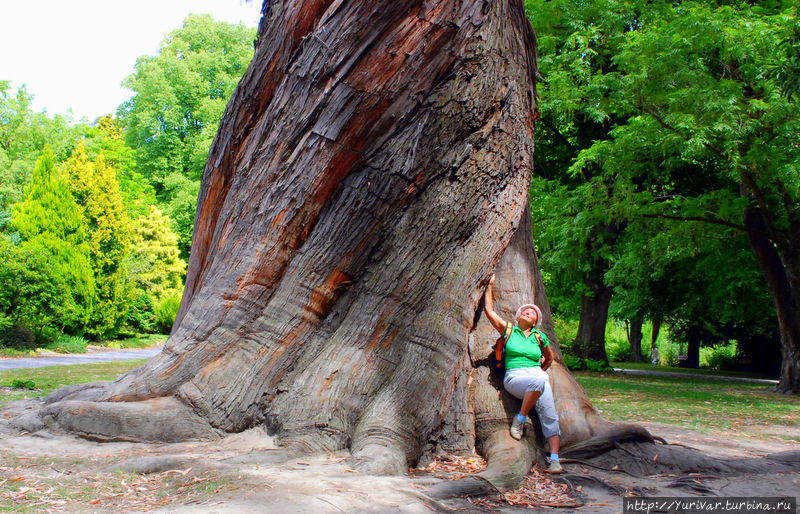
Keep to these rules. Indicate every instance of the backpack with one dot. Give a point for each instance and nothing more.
(499, 353)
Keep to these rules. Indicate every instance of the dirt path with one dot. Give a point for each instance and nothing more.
(78, 358)
(243, 473)
(651, 373)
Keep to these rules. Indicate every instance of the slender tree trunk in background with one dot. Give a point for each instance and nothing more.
(635, 337)
(656, 330)
(782, 274)
(693, 348)
(590, 341)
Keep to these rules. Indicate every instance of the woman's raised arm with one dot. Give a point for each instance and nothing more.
(488, 307)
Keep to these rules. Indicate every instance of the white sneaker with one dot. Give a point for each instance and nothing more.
(555, 467)
(517, 428)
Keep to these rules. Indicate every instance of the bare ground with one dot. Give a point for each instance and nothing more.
(245, 473)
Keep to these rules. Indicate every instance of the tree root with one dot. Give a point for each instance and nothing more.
(627, 449)
(608, 440)
(508, 463)
(642, 458)
(155, 420)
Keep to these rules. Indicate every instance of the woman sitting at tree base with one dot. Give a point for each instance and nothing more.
(525, 376)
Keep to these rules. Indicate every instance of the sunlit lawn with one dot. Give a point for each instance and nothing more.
(52, 377)
(701, 404)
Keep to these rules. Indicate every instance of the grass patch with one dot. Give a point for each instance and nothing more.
(696, 403)
(140, 341)
(13, 352)
(68, 344)
(74, 344)
(45, 380)
(691, 371)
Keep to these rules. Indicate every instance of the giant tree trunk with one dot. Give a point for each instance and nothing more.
(782, 274)
(371, 171)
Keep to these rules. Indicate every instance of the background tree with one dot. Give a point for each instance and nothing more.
(577, 220)
(179, 97)
(23, 136)
(721, 110)
(94, 186)
(155, 267)
(53, 287)
(158, 265)
(106, 137)
(698, 278)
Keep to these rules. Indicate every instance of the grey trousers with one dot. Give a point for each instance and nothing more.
(519, 381)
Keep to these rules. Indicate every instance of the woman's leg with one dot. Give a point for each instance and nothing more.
(546, 409)
(526, 384)
(528, 401)
(555, 443)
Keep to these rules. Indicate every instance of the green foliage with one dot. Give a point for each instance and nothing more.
(183, 194)
(565, 330)
(68, 344)
(136, 341)
(18, 338)
(23, 136)
(46, 282)
(106, 139)
(48, 206)
(664, 122)
(179, 97)
(595, 365)
(95, 187)
(19, 383)
(573, 362)
(668, 353)
(166, 310)
(141, 317)
(48, 285)
(155, 257)
(720, 357)
(618, 349)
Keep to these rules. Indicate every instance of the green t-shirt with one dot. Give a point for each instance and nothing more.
(524, 352)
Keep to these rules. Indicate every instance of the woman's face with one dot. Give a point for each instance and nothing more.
(529, 316)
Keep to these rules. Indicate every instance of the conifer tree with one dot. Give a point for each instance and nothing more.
(106, 138)
(155, 256)
(48, 205)
(55, 286)
(96, 189)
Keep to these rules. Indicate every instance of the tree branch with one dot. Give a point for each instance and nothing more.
(761, 198)
(792, 211)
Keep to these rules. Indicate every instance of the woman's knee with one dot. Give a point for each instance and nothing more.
(535, 384)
